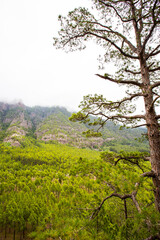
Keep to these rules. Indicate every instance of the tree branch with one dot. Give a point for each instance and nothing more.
(132, 72)
(140, 17)
(109, 30)
(85, 33)
(156, 84)
(149, 36)
(135, 201)
(129, 159)
(110, 6)
(124, 197)
(113, 44)
(118, 116)
(141, 125)
(151, 107)
(153, 53)
(149, 174)
(116, 105)
(153, 26)
(154, 69)
(95, 213)
(156, 94)
(120, 81)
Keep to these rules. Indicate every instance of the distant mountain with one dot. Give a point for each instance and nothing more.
(21, 125)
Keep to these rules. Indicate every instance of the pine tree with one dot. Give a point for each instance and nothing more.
(128, 30)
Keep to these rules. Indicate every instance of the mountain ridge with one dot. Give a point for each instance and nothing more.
(21, 125)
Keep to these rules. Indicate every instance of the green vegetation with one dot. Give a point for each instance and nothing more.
(24, 126)
(69, 191)
(53, 191)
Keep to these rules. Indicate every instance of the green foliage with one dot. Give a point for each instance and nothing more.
(50, 191)
(91, 133)
(78, 117)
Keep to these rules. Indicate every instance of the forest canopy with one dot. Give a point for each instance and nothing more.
(60, 192)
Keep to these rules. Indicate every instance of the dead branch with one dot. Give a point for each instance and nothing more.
(135, 201)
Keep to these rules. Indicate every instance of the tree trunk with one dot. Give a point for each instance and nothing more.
(154, 142)
(152, 131)
(23, 233)
(125, 209)
(5, 232)
(14, 231)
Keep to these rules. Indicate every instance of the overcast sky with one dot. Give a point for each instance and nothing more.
(32, 70)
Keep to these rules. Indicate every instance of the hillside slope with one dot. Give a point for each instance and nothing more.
(21, 125)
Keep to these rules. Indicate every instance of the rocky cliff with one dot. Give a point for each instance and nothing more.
(20, 125)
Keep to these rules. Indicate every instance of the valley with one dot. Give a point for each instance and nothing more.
(55, 183)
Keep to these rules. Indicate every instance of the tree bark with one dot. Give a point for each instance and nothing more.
(150, 116)
(153, 131)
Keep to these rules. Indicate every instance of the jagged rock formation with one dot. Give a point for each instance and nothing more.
(19, 123)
